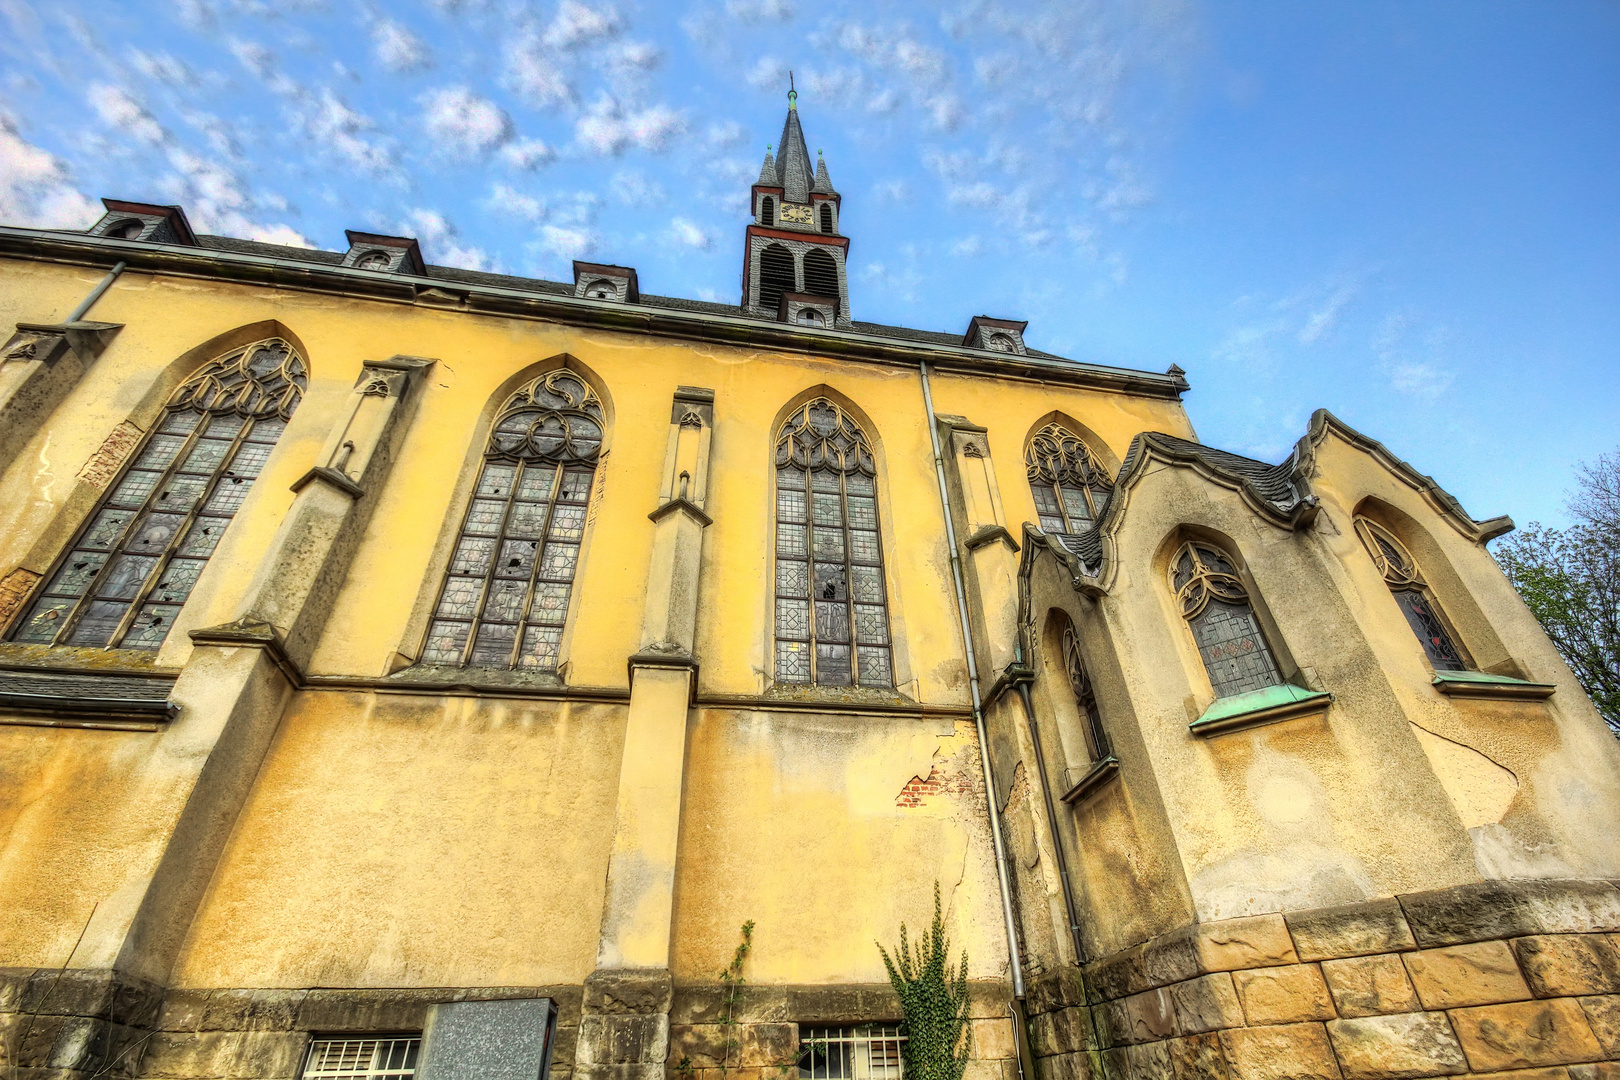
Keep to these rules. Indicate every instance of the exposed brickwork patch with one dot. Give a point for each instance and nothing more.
(105, 463)
(14, 589)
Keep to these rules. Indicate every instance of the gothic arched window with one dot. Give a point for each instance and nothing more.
(1069, 484)
(1411, 593)
(832, 621)
(133, 565)
(776, 276)
(1084, 694)
(505, 593)
(826, 218)
(767, 211)
(1216, 607)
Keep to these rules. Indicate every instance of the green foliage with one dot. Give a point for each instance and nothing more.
(934, 1000)
(1570, 580)
(732, 980)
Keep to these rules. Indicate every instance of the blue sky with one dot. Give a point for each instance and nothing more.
(1407, 213)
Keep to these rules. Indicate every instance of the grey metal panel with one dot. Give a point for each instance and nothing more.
(488, 1040)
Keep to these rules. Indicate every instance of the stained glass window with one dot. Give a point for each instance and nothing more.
(1216, 607)
(832, 618)
(506, 591)
(1069, 484)
(1411, 594)
(133, 564)
(1085, 695)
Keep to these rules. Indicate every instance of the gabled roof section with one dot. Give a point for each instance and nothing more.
(1278, 493)
(823, 184)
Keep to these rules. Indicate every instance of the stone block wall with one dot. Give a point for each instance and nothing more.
(1500, 978)
(769, 1018)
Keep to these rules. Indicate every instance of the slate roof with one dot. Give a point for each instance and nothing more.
(793, 169)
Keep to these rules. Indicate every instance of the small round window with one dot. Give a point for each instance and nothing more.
(127, 230)
(810, 317)
(602, 290)
(999, 343)
(373, 260)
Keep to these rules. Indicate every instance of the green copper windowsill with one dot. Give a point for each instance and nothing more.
(1485, 685)
(1258, 707)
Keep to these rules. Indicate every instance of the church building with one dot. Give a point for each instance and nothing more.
(408, 671)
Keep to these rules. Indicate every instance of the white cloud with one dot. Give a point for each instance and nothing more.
(163, 68)
(464, 123)
(119, 109)
(685, 232)
(634, 56)
(441, 241)
(535, 74)
(760, 10)
(255, 57)
(507, 201)
(607, 129)
(397, 48)
(328, 120)
(725, 134)
(968, 248)
(527, 154)
(1326, 316)
(36, 187)
(217, 201)
(577, 25)
(565, 242)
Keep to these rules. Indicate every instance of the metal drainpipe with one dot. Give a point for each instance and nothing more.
(95, 293)
(1019, 1020)
(1052, 822)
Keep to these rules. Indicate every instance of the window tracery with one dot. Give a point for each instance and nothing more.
(1085, 695)
(1069, 483)
(134, 563)
(832, 621)
(1411, 593)
(506, 591)
(1216, 606)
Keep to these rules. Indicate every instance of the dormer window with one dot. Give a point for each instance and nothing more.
(373, 260)
(601, 290)
(810, 317)
(127, 230)
(602, 281)
(995, 335)
(1000, 343)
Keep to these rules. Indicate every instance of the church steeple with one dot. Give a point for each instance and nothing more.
(794, 259)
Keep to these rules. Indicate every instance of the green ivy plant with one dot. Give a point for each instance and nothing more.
(934, 1002)
(732, 980)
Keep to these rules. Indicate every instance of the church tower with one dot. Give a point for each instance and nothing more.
(794, 257)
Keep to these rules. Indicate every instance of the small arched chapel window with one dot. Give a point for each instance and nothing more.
(506, 591)
(832, 620)
(132, 566)
(602, 289)
(373, 260)
(1085, 695)
(1067, 480)
(1216, 606)
(1416, 601)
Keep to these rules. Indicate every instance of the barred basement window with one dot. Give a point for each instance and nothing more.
(1069, 483)
(867, 1052)
(506, 592)
(1084, 694)
(131, 567)
(829, 559)
(384, 1058)
(1216, 606)
(1406, 582)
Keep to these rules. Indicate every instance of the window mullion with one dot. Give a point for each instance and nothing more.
(810, 566)
(71, 623)
(539, 557)
(849, 573)
(495, 551)
(184, 527)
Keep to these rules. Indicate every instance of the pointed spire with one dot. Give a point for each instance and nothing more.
(793, 161)
(823, 181)
(767, 171)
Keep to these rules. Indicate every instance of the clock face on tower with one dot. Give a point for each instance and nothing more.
(799, 215)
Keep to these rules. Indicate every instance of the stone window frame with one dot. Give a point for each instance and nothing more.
(1400, 571)
(1218, 576)
(1054, 453)
(488, 457)
(223, 389)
